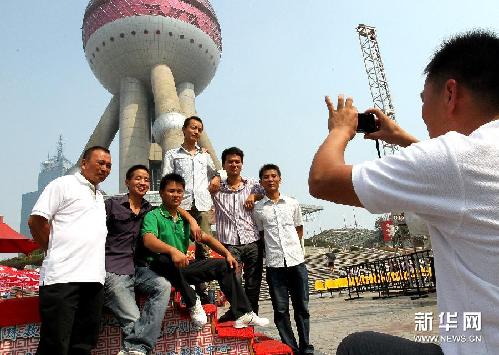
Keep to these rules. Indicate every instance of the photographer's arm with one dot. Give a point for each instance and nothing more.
(330, 178)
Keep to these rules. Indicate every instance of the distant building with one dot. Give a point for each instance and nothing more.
(50, 169)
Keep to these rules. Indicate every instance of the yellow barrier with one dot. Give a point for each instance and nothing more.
(320, 286)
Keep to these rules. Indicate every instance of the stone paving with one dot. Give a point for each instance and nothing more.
(331, 319)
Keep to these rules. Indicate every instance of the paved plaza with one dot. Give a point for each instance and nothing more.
(331, 319)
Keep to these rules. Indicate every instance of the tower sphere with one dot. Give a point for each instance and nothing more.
(127, 38)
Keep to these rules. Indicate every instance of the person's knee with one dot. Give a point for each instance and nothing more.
(160, 287)
(301, 313)
(281, 309)
(117, 283)
(253, 279)
(221, 266)
(162, 284)
(118, 295)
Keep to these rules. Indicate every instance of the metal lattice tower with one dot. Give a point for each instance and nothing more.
(376, 76)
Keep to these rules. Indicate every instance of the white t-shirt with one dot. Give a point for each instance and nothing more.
(278, 221)
(451, 182)
(78, 231)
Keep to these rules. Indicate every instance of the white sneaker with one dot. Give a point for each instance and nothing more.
(136, 352)
(198, 315)
(122, 352)
(250, 318)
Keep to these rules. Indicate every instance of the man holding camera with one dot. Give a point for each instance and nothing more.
(451, 181)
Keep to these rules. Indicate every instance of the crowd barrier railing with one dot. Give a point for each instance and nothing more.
(410, 274)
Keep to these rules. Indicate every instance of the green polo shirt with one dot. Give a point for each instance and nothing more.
(161, 223)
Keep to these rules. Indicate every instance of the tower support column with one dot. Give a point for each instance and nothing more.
(104, 132)
(133, 126)
(167, 129)
(187, 98)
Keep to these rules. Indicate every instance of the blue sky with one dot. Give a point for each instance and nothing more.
(279, 60)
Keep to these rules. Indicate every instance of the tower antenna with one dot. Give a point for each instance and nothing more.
(60, 148)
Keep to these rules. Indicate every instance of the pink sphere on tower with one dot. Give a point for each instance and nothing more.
(155, 57)
(128, 37)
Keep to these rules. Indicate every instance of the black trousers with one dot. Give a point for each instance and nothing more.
(70, 314)
(201, 251)
(251, 256)
(204, 271)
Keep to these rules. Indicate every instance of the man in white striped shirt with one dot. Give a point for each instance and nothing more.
(236, 229)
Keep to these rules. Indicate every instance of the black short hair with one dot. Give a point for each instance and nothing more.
(188, 119)
(266, 167)
(232, 151)
(88, 152)
(132, 169)
(169, 178)
(471, 58)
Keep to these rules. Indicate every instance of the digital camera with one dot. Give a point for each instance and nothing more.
(366, 123)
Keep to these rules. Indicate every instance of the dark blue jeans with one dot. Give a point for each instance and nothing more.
(140, 330)
(285, 282)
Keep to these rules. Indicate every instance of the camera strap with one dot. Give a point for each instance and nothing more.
(377, 148)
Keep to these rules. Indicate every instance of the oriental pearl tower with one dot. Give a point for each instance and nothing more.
(154, 57)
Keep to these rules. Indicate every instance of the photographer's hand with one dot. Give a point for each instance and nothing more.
(344, 118)
(330, 178)
(389, 130)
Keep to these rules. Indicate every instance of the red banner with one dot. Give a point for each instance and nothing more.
(387, 229)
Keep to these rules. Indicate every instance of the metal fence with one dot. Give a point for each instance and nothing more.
(411, 275)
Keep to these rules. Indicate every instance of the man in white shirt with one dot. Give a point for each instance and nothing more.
(197, 168)
(451, 181)
(279, 220)
(195, 165)
(69, 222)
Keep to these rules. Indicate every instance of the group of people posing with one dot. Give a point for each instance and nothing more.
(451, 181)
(106, 252)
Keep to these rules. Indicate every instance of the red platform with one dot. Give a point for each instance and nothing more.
(271, 347)
(18, 311)
(20, 328)
(20, 331)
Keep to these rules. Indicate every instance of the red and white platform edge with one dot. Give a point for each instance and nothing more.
(20, 331)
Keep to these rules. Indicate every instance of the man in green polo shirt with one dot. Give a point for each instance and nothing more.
(165, 236)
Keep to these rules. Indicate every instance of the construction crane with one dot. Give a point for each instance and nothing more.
(376, 76)
(382, 100)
